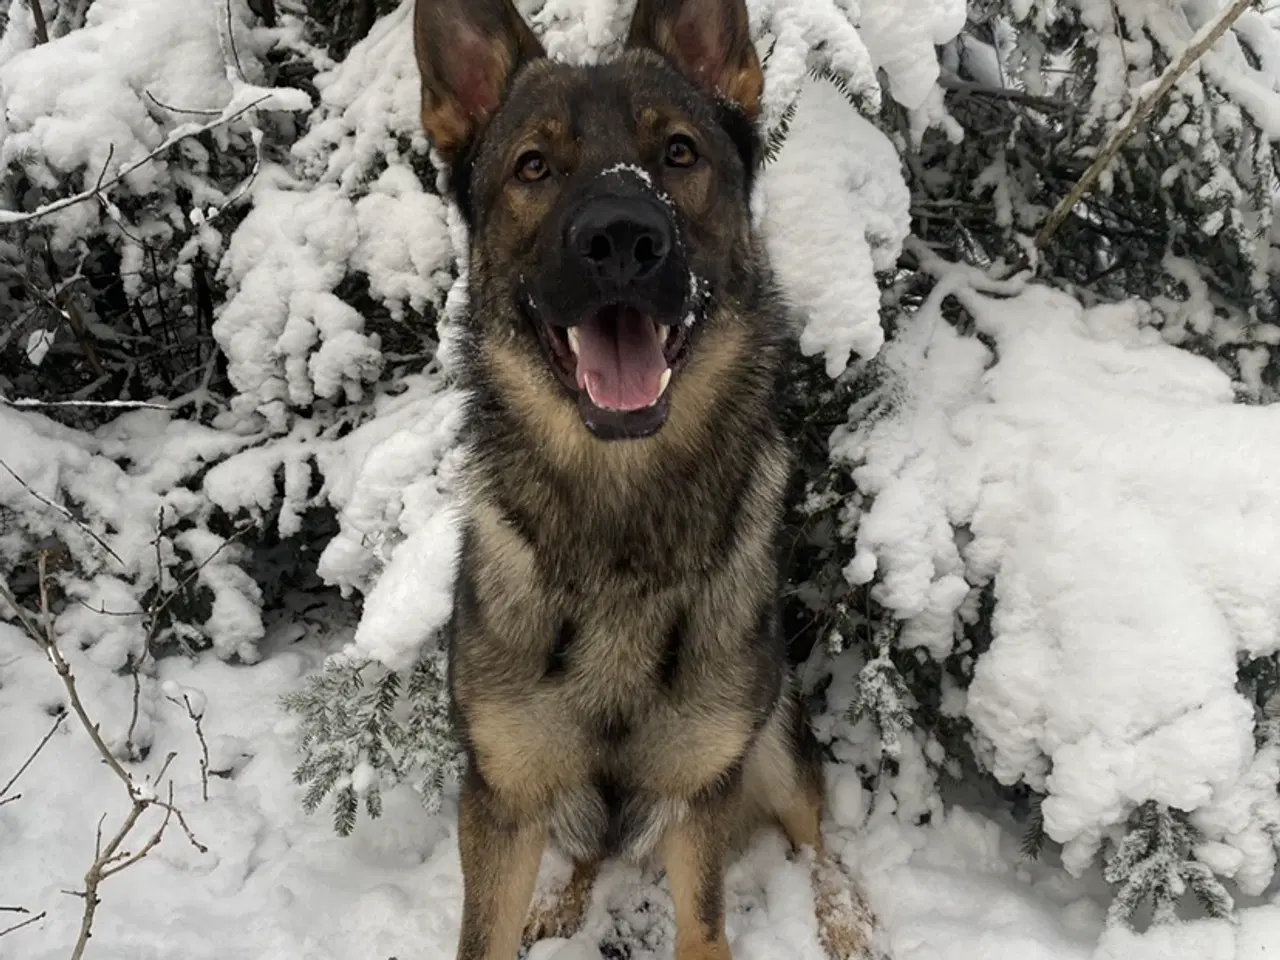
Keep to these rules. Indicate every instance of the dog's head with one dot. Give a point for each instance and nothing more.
(608, 205)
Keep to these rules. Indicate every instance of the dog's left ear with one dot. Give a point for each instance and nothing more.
(708, 41)
(467, 52)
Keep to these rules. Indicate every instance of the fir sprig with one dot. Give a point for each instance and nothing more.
(365, 728)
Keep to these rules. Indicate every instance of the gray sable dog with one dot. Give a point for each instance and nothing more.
(618, 674)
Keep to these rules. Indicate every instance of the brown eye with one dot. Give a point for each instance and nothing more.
(681, 151)
(531, 166)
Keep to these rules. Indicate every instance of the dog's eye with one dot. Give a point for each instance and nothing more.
(681, 151)
(531, 166)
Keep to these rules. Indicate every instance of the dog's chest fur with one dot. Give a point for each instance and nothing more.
(615, 656)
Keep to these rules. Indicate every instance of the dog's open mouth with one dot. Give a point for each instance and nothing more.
(620, 363)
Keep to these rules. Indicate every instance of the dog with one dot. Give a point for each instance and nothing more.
(618, 677)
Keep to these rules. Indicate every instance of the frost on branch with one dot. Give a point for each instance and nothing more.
(365, 729)
(1155, 862)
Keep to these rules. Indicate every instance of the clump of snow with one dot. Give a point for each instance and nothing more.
(1123, 505)
(62, 486)
(837, 211)
(103, 97)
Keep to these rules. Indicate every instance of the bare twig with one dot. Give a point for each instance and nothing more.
(110, 857)
(231, 40)
(970, 89)
(172, 109)
(1205, 38)
(42, 28)
(24, 923)
(197, 718)
(64, 511)
(169, 598)
(243, 187)
(28, 404)
(31, 759)
(10, 217)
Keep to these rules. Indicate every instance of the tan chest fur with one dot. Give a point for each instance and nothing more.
(655, 692)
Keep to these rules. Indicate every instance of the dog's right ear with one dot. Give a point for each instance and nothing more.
(467, 52)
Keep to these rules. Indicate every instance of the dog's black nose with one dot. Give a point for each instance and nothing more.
(620, 239)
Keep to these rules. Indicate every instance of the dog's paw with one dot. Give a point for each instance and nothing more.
(562, 913)
(846, 925)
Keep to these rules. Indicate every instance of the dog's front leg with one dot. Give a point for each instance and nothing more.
(695, 852)
(500, 853)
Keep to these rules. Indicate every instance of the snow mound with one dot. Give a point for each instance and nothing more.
(826, 252)
(1125, 507)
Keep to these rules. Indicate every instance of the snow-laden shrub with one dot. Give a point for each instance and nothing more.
(1030, 546)
(157, 115)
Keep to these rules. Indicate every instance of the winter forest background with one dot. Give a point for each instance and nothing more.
(1034, 552)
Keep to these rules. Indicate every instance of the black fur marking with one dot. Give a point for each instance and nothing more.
(711, 904)
(767, 645)
(669, 662)
(745, 137)
(466, 602)
(459, 184)
(614, 728)
(727, 536)
(616, 801)
(520, 522)
(558, 662)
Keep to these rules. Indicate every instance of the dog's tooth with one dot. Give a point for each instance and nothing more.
(662, 384)
(573, 340)
(664, 331)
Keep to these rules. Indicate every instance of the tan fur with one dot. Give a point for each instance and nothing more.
(563, 915)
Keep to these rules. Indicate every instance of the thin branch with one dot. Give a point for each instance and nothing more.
(198, 720)
(31, 759)
(968, 88)
(243, 187)
(110, 857)
(9, 217)
(1205, 38)
(231, 39)
(235, 535)
(65, 512)
(42, 28)
(172, 109)
(25, 923)
(28, 404)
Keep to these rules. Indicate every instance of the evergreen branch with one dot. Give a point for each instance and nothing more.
(1205, 38)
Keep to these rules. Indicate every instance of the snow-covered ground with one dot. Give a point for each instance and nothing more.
(278, 885)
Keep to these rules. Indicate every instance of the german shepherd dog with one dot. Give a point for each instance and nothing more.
(618, 674)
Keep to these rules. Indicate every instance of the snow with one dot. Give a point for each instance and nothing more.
(278, 884)
(1122, 503)
(826, 255)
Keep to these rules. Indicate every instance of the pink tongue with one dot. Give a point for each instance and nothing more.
(620, 361)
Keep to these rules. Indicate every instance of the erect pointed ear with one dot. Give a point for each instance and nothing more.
(709, 41)
(467, 51)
